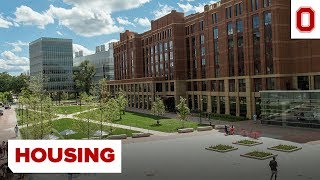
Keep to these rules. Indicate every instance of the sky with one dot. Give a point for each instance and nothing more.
(88, 22)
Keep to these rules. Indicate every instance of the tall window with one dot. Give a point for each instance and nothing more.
(214, 18)
(256, 44)
(230, 28)
(266, 3)
(201, 25)
(238, 9)
(216, 51)
(239, 26)
(202, 39)
(241, 67)
(268, 42)
(228, 12)
(254, 5)
(230, 49)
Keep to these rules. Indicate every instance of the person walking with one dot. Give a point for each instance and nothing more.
(274, 168)
(255, 118)
(16, 130)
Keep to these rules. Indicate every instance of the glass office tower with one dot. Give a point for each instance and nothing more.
(52, 59)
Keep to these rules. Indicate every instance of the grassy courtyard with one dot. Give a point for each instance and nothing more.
(70, 109)
(144, 121)
(75, 125)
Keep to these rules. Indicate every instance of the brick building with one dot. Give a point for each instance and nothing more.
(218, 59)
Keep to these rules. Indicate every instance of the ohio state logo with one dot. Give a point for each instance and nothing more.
(304, 19)
(64, 156)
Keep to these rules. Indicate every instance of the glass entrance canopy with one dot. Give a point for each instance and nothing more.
(291, 108)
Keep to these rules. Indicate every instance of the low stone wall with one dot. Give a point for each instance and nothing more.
(120, 136)
(185, 130)
(205, 128)
(140, 135)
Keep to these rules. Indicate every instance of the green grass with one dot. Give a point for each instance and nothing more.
(221, 117)
(63, 124)
(221, 147)
(248, 142)
(23, 114)
(70, 109)
(285, 147)
(145, 121)
(259, 154)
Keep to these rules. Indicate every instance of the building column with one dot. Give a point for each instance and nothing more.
(249, 98)
(295, 82)
(218, 105)
(227, 98)
(237, 106)
(311, 79)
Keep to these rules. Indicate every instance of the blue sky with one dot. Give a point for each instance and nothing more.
(88, 22)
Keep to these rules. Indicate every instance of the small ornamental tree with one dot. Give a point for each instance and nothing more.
(183, 110)
(122, 102)
(158, 109)
(111, 112)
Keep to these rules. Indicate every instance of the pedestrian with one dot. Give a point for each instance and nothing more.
(16, 130)
(226, 129)
(255, 118)
(273, 166)
(232, 129)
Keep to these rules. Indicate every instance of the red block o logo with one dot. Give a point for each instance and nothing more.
(311, 13)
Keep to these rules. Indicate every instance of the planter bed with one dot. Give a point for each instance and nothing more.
(186, 130)
(140, 135)
(259, 155)
(120, 136)
(204, 128)
(247, 143)
(285, 148)
(221, 148)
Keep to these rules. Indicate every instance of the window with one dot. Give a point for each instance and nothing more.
(267, 18)
(242, 85)
(270, 84)
(232, 87)
(202, 39)
(215, 33)
(230, 28)
(239, 26)
(317, 82)
(221, 86)
(238, 9)
(201, 25)
(254, 5)
(266, 3)
(303, 82)
(214, 18)
(228, 12)
(203, 51)
(257, 85)
(255, 22)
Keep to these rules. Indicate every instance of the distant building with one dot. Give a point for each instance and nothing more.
(102, 60)
(52, 58)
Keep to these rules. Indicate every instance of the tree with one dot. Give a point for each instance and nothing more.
(111, 112)
(183, 110)
(122, 102)
(104, 93)
(158, 109)
(18, 83)
(83, 76)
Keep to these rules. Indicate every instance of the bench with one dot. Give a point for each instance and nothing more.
(140, 135)
(185, 130)
(205, 128)
(120, 136)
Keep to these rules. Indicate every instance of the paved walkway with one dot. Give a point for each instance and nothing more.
(293, 134)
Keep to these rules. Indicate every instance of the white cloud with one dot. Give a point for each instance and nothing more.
(107, 43)
(12, 63)
(78, 47)
(17, 46)
(59, 33)
(124, 21)
(26, 16)
(199, 8)
(185, 7)
(143, 21)
(107, 5)
(162, 11)
(4, 23)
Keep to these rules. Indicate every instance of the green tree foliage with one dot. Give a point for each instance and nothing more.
(158, 108)
(122, 102)
(112, 110)
(83, 77)
(183, 110)
(12, 84)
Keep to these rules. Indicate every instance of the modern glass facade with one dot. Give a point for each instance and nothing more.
(52, 59)
(103, 62)
(291, 108)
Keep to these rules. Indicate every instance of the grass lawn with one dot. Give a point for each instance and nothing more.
(221, 147)
(23, 114)
(145, 121)
(63, 124)
(70, 109)
(259, 154)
